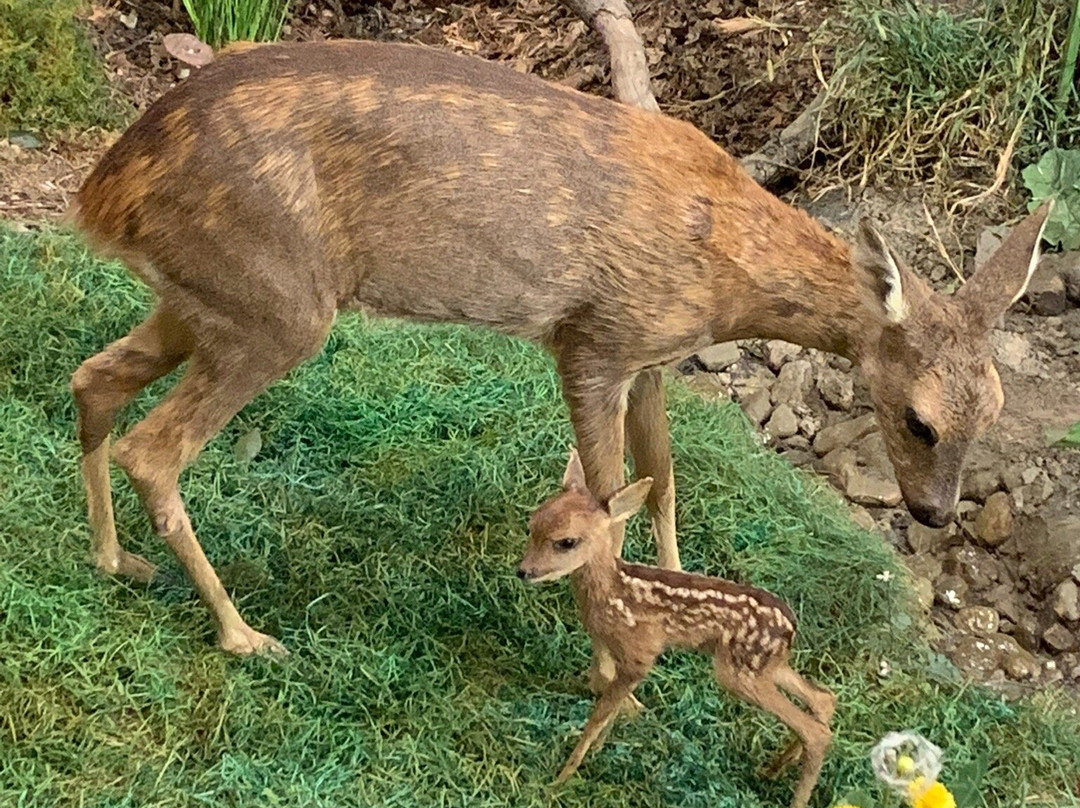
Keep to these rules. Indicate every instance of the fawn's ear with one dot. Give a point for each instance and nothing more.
(574, 476)
(876, 258)
(625, 502)
(1003, 279)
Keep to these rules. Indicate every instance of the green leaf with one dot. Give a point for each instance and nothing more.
(967, 782)
(1057, 176)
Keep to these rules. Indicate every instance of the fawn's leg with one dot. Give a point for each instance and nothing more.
(597, 404)
(822, 704)
(223, 375)
(650, 445)
(102, 386)
(602, 674)
(606, 707)
(760, 689)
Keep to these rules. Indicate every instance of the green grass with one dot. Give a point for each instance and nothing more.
(50, 78)
(219, 22)
(922, 90)
(376, 533)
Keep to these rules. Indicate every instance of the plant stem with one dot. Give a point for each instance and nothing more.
(1068, 70)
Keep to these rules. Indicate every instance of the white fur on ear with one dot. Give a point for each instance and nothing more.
(574, 476)
(875, 257)
(627, 501)
(1036, 254)
(895, 305)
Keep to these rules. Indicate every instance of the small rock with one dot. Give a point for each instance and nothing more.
(974, 564)
(1030, 474)
(1058, 638)
(951, 591)
(757, 406)
(923, 539)
(1046, 291)
(837, 464)
(778, 352)
(809, 426)
(717, 357)
(986, 244)
(797, 442)
(979, 620)
(924, 593)
(1048, 550)
(863, 518)
(793, 383)
(980, 483)
(965, 508)
(836, 388)
(924, 565)
(862, 489)
(1010, 349)
(1027, 631)
(994, 523)
(798, 457)
(871, 452)
(25, 140)
(783, 423)
(1020, 665)
(844, 433)
(1076, 573)
(1011, 478)
(1066, 600)
(1004, 600)
(975, 656)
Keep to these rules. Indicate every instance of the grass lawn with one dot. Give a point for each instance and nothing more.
(376, 534)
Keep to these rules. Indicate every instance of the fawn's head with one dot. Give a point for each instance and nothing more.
(931, 374)
(567, 531)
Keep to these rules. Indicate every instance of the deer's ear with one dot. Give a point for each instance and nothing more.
(574, 476)
(876, 258)
(1002, 280)
(625, 502)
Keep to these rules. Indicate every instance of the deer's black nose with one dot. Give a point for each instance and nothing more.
(522, 573)
(930, 515)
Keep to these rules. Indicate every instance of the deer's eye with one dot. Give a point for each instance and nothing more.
(566, 545)
(919, 428)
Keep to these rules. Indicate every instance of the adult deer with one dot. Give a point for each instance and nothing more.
(287, 182)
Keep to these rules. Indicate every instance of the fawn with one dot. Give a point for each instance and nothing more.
(284, 183)
(636, 612)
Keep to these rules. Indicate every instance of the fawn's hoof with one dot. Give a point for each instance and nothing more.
(788, 757)
(129, 565)
(247, 641)
(631, 707)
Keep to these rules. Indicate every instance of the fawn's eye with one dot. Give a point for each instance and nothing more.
(919, 428)
(565, 545)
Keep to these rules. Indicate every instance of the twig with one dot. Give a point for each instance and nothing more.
(941, 245)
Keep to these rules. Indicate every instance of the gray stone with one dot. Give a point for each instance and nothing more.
(862, 489)
(798, 457)
(924, 593)
(871, 452)
(974, 564)
(980, 483)
(1020, 665)
(923, 539)
(1076, 573)
(836, 388)
(975, 656)
(793, 383)
(719, 356)
(837, 464)
(1046, 291)
(951, 591)
(844, 433)
(1048, 550)
(924, 565)
(981, 621)
(863, 518)
(1066, 600)
(1028, 631)
(1010, 349)
(994, 523)
(778, 352)
(798, 442)
(1058, 638)
(986, 244)
(1004, 600)
(757, 405)
(783, 423)
(809, 426)
(1012, 477)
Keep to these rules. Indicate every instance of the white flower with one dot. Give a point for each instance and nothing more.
(884, 575)
(952, 598)
(925, 756)
(884, 668)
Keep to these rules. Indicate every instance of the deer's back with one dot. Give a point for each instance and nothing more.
(410, 182)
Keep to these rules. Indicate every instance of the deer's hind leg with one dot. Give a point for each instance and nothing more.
(102, 386)
(650, 445)
(224, 373)
(760, 688)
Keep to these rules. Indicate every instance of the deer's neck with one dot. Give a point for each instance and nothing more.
(783, 276)
(597, 580)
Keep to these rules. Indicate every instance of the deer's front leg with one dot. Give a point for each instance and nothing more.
(597, 405)
(650, 445)
(620, 688)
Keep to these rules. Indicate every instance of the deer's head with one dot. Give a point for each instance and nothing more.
(931, 375)
(569, 530)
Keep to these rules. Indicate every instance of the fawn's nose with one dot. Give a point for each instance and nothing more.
(930, 515)
(524, 574)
